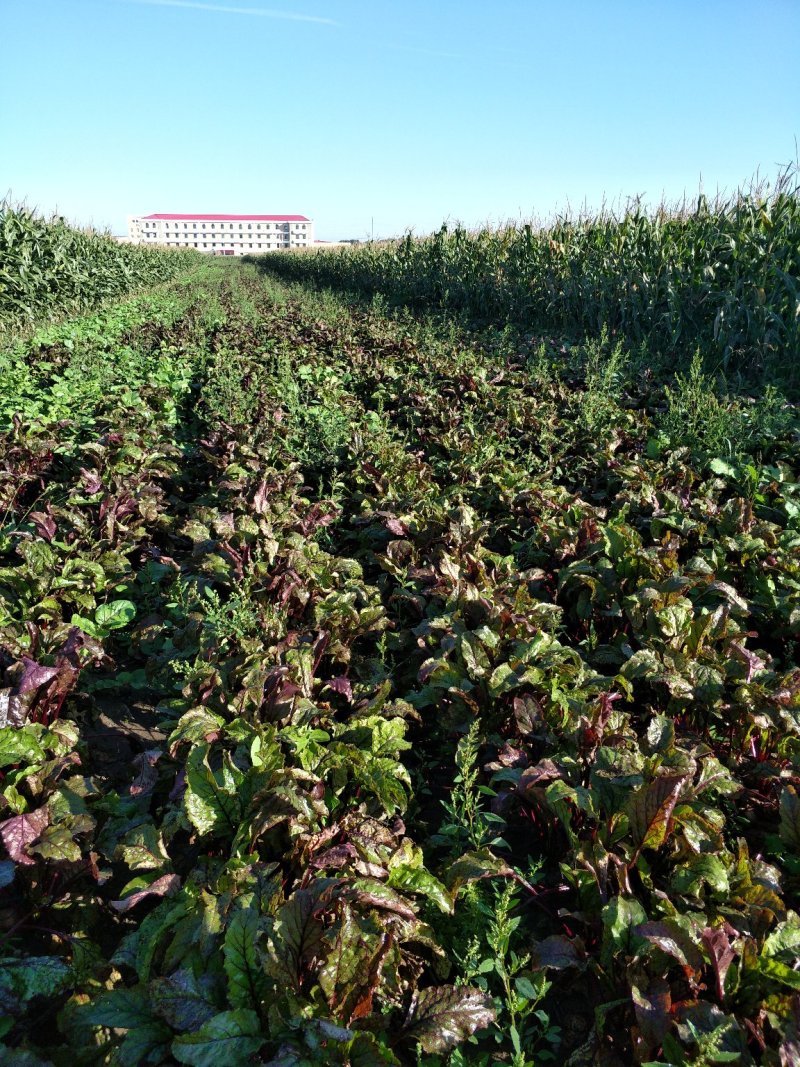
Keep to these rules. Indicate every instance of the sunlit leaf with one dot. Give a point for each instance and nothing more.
(115, 615)
(650, 809)
(442, 1016)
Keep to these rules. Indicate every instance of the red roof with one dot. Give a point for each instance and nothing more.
(231, 218)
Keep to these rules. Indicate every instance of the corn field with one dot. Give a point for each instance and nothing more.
(720, 276)
(49, 269)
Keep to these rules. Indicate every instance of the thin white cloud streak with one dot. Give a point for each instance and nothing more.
(258, 12)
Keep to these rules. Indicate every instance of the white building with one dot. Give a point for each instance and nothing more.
(223, 235)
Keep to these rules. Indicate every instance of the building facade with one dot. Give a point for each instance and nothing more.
(223, 235)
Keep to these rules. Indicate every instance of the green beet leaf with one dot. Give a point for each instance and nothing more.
(247, 980)
(35, 976)
(211, 800)
(620, 918)
(230, 1037)
(144, 1045)
(114, 615)
(408, 873)
(19, 745)
(473, 867)
(119, 1009)
(699, 872)
(184, 1001)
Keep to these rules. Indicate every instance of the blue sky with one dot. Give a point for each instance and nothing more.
(407, 113)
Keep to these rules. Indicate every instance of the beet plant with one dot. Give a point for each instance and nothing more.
(379, 689)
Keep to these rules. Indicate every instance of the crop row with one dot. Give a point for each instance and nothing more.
(720, 277)
(49, 269)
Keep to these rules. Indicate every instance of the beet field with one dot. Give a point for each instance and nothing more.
(399, 649)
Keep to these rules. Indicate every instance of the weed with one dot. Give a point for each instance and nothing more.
(493, 962)
(604, 376)
(467, 825)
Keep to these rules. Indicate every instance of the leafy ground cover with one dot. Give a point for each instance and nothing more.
(375, 692)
